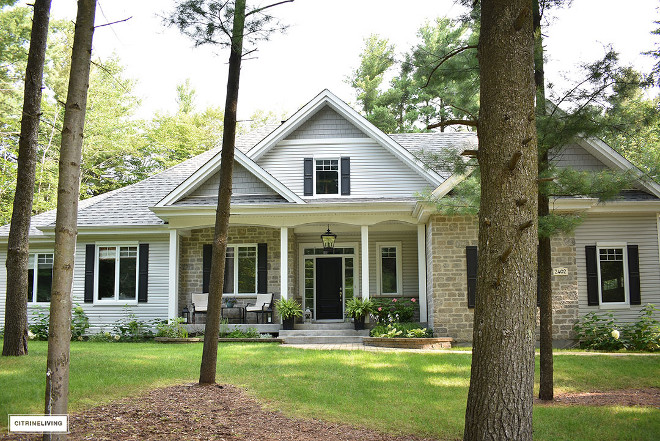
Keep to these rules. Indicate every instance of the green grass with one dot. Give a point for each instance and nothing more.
(391, 391)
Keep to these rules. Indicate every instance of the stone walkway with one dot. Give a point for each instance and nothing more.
(361, 347)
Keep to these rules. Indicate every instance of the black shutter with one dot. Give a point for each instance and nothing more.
(592, 276)
(471, 257)
(262, 268)
(309, 177)
(207, 254)
(90, 256)
(633, 275)
(346, 176)
(143, 272)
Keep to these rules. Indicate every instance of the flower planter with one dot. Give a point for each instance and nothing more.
(287, 323)
(358, 323)
(410, 343)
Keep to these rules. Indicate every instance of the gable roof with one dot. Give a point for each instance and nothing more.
(327, 98)
(212, 166)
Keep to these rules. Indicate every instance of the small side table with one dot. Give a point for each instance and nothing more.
(241, 312)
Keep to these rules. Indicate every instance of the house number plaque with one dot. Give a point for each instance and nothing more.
(560, 271)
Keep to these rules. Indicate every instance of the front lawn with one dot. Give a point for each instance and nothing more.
(423, 394)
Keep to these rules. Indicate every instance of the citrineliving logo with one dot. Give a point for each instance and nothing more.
(39, 423)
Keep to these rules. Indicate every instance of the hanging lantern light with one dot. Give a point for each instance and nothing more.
(328, 239)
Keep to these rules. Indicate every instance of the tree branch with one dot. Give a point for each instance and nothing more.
(114, 22)
(454, 122)
(447, 57)
(266, 7)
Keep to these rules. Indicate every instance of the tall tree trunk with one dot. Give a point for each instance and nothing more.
(15, 340)
(212, 328)
(546, 382)
(500, 398)
(66, 231)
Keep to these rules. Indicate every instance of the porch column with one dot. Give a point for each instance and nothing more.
(365, 261)
(284, 262)
(421, 271)
(172, 301)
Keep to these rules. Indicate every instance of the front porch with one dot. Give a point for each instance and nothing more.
(383, 260)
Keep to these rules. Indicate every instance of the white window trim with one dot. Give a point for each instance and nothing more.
(116, 300)
(626, 283)
(34, 277)
(256, 271)
(326, 158)
(379, 268)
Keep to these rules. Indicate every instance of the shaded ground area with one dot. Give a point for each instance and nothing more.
(192, 412)
(625, 397)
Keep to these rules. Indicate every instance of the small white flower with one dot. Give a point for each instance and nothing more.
(116, 337)
(31, 335)
(615, 334)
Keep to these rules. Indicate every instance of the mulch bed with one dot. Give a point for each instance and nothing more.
(225, 412)
(624, 397)
(193, 412)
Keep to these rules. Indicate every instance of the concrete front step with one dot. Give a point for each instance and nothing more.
(324, 325)
(321, 340)
(323, 332)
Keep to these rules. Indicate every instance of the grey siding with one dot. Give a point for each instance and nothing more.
(375, 172)
(326, 123)
(103, 317)
(640, 230)
(576, 157)
(243, 183)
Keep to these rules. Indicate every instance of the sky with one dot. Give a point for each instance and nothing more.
(322, 46)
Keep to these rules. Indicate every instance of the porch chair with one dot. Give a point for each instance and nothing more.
(200, 304)
(263, 305)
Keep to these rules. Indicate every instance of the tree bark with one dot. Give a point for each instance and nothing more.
(68, 191)
(546, 381)
(500, 397)
(16, 332)
(210, 352)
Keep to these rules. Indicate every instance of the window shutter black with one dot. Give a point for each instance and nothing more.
(207, 253)
(346, 176)
(262, 268)
(90, 256)
(309, 177)
(143, 272)
(471, 258)
(633, 275)
(592, 276)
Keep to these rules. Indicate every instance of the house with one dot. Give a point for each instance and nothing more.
(144, 249)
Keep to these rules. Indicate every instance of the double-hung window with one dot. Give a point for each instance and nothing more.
(117, 275)
(612, 274)
(327, 176)
(389, 269)
(241, 269)
(40, 277)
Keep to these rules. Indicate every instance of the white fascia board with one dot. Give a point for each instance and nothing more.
(205, 171)
(591, 205)
(328, 98)
(114, 229)
(450, 183)
(613, 159)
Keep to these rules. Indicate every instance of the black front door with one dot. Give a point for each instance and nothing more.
(328, 288)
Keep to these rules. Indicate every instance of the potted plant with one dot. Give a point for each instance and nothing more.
(358, 309)
(231, 301)
(288, 309)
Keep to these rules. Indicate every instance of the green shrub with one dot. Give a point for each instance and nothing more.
(396, 310)
(356, 307)
(131, 328)
(248, 333)
(408, 330)
(39, 326)
(79, 323)
(288, 308)
(600, 332)
(173, 328)
(103, 337)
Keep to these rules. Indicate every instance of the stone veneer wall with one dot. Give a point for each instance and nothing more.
(447, 237)
(190, 258)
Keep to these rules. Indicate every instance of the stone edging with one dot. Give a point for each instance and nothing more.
(410, 343)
